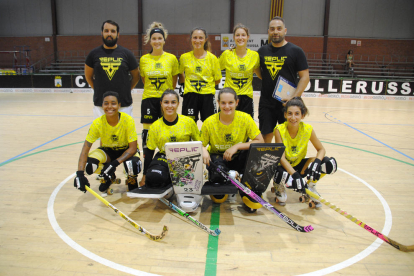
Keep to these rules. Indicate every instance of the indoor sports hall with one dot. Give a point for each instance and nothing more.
(363, 117)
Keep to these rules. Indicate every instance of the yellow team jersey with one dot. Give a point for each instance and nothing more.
(183, 131)
(221, 137)
(115, 137)
(158, 72)
(200, 74)
(239, 71)
(296, 148)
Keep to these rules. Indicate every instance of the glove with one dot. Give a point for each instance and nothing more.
(81, 181)
(314, 170)
(298, 184)
(181, 89)
(109, 169)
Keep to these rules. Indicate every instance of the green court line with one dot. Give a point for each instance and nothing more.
(212, 246)
(398, 160)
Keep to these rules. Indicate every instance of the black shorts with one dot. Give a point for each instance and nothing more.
(246, 105)
(150, 110)
(195, 103)
(113, 153)
(269, 117)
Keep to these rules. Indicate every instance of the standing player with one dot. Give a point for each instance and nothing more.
(119, 145)
(111, 67)
(240, 63)
(159, 72)
(279, 58)
(171, 127)
(295, 135)
(201, 71)
(226, 133)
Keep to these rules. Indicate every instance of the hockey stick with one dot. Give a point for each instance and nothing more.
(393, 243)
(215, 232)
(128, 219)
(264, 203)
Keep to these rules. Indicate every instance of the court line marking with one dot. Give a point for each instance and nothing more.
(409, 157)
(370, 249)
(7, 161)
(59, 231)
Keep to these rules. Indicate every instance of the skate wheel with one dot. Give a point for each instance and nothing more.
(302, 199)
(276, 200)
(117, 181)
(312, 204)
(110, 191)
(273, 189)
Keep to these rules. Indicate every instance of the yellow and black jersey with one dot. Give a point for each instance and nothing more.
(220, 137)
(239, 71)
(183, 131)
(297, 147)
(200, 74)
(158, 72)
(115, 137)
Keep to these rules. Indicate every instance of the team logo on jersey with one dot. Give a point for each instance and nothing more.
(158, 65)
(228, 138)
(294, 149)
(157, 82)
(198, 69)
(274, 65)
(114, 138)
(198, 84)
(110, 65)
(239, 82)
(173, 139)
(242, 67)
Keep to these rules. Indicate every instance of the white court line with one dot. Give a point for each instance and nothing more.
(370, 249)
(77, 247)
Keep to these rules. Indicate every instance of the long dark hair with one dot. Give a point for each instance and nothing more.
(297, 101)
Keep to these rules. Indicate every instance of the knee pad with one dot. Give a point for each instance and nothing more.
(281, 176)
(157, 176)
(219, 198)
(251, 203)
(133, 165)
(96, 159)
(329, 165)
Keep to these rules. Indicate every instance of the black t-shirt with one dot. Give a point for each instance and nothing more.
(284, 61)
(111, 68)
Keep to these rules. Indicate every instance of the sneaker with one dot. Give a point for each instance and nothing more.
(312, 188)
(280, 192)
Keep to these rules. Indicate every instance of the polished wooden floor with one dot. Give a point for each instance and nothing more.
(47, 227)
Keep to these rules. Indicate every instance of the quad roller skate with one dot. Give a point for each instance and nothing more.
(106, 185)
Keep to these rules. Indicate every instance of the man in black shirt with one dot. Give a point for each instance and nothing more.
(108, 68)
(279, 58)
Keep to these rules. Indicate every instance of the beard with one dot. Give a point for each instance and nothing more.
(110, 42)
(277, 40)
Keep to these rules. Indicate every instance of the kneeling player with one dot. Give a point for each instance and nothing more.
(119, 145)
(295, 135)
(226, 133)
(171, 127)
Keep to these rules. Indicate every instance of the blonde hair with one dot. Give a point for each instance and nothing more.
(155, 25)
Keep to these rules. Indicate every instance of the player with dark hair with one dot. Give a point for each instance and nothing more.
(171, 127)
(295, 135)
(119, 145)
(240, 63)
(111, 67)
(226, 134)
(159, 72)
(279, 58)
(199, 73)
